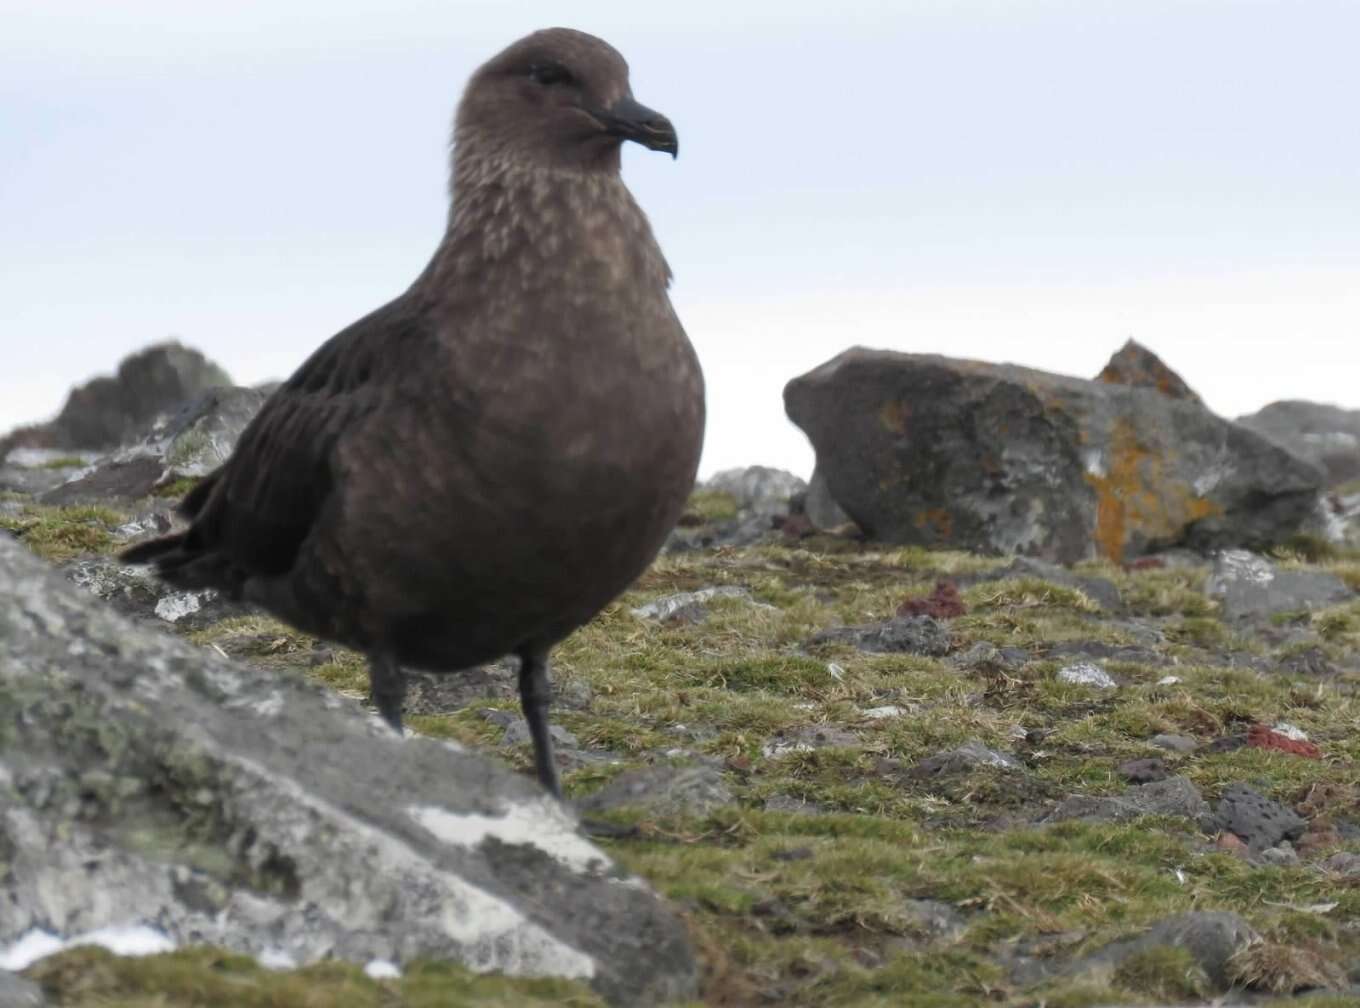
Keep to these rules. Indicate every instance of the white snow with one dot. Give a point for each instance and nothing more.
(1168, 680)
(541, 823)
(121, 939)
(382, 969)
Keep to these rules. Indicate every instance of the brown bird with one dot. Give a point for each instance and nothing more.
(479, 466)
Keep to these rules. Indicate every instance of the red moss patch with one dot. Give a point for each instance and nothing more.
(1260, 736)
(943, 603)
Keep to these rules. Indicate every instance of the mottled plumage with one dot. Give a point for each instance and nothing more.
(479, 466)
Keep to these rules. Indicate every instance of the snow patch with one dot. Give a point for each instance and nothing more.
(382, 969)
(541, 823)
(276, 959)
(123, 940)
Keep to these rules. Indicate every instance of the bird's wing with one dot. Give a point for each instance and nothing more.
(256, 511)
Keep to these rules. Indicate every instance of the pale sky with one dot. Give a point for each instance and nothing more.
(1011, 180)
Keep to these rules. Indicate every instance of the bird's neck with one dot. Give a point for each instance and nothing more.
(550, 222)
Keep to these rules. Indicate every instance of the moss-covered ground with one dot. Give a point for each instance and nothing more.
(809, 888)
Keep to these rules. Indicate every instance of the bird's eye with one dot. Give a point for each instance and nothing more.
(550, 73)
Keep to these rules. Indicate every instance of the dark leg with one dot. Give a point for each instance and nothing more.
(387, 688)
(535, 692)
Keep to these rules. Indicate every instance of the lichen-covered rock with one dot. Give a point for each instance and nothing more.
(107, 412)
(16, 992)
(958, 454)
(1248, 585)
(146, 781)
(1328, 436)
(1211, 938)
(663, 790)
(191, 442)
(923, 635)
(1138, 367)
(136, 591)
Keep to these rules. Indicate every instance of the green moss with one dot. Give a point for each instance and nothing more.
(176, 487)
(64, 462)
(212, 978)
(815, 908)
(1163, 972)
(712, 505)
(60, 533)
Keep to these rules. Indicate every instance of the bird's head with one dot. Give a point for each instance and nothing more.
(558, 98)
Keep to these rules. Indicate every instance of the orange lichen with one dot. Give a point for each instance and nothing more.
(894, 416)
(938, 520)
(1133, 495)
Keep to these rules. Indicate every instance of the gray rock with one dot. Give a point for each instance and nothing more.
(1284, 856)
(1327, 436)
(986, 655)
(1249, 586)
(948, 453)
(969, 756)
(664, 791)
(670, 607)
(16, 992)
(134, 591)
(191, 442)
(1258, 820)
(820, 507)
(1174, 796)
(1175, 743)
(935, 921)
(758, 489)
(922, 635)
(1342, 863)
(1212, 938)
(145, 780)
(1086, 674)
(106, 412)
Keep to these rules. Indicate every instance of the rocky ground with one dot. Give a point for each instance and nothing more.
(882, 776)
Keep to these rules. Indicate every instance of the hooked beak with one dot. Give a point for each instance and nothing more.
(634, 121)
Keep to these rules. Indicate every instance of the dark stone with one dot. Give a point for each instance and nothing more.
(955, 454)
(920, 635)
(1173, 796)
(108, 412)
(1135, 365)
(1258, 820)
(1327, 436)
(1144, 771)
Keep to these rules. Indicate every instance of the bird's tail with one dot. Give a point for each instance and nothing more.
(185, 566)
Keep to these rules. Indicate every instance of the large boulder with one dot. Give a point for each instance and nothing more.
(147, 782)
(107, 412)
(1326, 435)
(948, 453)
